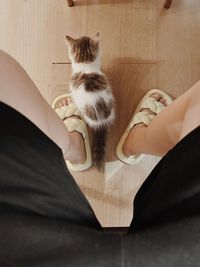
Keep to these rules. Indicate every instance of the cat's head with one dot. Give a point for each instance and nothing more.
(84, 49)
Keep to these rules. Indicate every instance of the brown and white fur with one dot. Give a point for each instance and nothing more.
(91, 91)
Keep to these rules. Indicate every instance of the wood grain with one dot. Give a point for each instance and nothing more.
(143, 46)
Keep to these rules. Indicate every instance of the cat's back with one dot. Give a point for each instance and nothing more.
(89, 88)
(90, 82)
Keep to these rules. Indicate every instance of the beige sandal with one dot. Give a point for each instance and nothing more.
(142, 116)
(74, 124)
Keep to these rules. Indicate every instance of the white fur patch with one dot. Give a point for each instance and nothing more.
(83, 98)
(87, 67)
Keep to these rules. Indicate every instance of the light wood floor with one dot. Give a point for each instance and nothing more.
(143, 46)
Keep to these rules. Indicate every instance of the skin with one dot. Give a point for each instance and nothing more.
(138, 131)
(128, 147)
(76, 135)
(164, 131)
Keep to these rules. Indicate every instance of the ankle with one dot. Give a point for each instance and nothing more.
(134, 141)
(127, 149)
(76, 151)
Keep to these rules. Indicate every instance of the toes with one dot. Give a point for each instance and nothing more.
(163, 101)
(60, 105)
(64, 102)
(159, 98)
(69, 100)
(156, 96)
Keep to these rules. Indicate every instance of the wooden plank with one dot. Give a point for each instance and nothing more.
(138, 33)
(174, 47)
(26, 29)
(143, 46)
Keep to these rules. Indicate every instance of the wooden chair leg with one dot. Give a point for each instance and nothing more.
(70, 2)
(168, 3)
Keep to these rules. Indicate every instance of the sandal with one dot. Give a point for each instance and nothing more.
(74, 124)
(142, 116)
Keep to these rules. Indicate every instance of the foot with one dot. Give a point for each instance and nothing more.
(139, 129)
(76, 139)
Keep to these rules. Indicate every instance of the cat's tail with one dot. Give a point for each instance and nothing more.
(99, 138)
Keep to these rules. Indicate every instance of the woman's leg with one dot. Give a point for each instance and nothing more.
(169, 127)
(18, 91)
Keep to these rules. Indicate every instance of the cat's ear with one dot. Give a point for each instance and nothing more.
(97, 37)
(69, 40)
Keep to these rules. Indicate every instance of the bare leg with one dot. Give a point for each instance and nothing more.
(18, 91)
(170, 126)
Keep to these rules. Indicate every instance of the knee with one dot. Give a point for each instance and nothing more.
(8, 68)
(6, 62)
(8, 77)
(4, 56)
(195, 91)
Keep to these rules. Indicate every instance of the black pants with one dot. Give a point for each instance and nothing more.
(45, 220)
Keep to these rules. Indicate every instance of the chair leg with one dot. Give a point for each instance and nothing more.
(168, 3)
(70, 2)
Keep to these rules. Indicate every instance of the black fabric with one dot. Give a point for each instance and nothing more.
(171, 244)
(172, 190)
(34, 178)
(29, 240)
(46, 221)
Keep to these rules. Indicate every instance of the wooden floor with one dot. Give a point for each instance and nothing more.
(143, 46)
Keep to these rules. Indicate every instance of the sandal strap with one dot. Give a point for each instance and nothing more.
(67, 111)
(152, 104)
(142, 116)
(75, 124)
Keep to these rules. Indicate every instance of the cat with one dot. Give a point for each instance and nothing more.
(91, 91)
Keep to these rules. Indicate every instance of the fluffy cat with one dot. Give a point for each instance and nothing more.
(91, 91)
